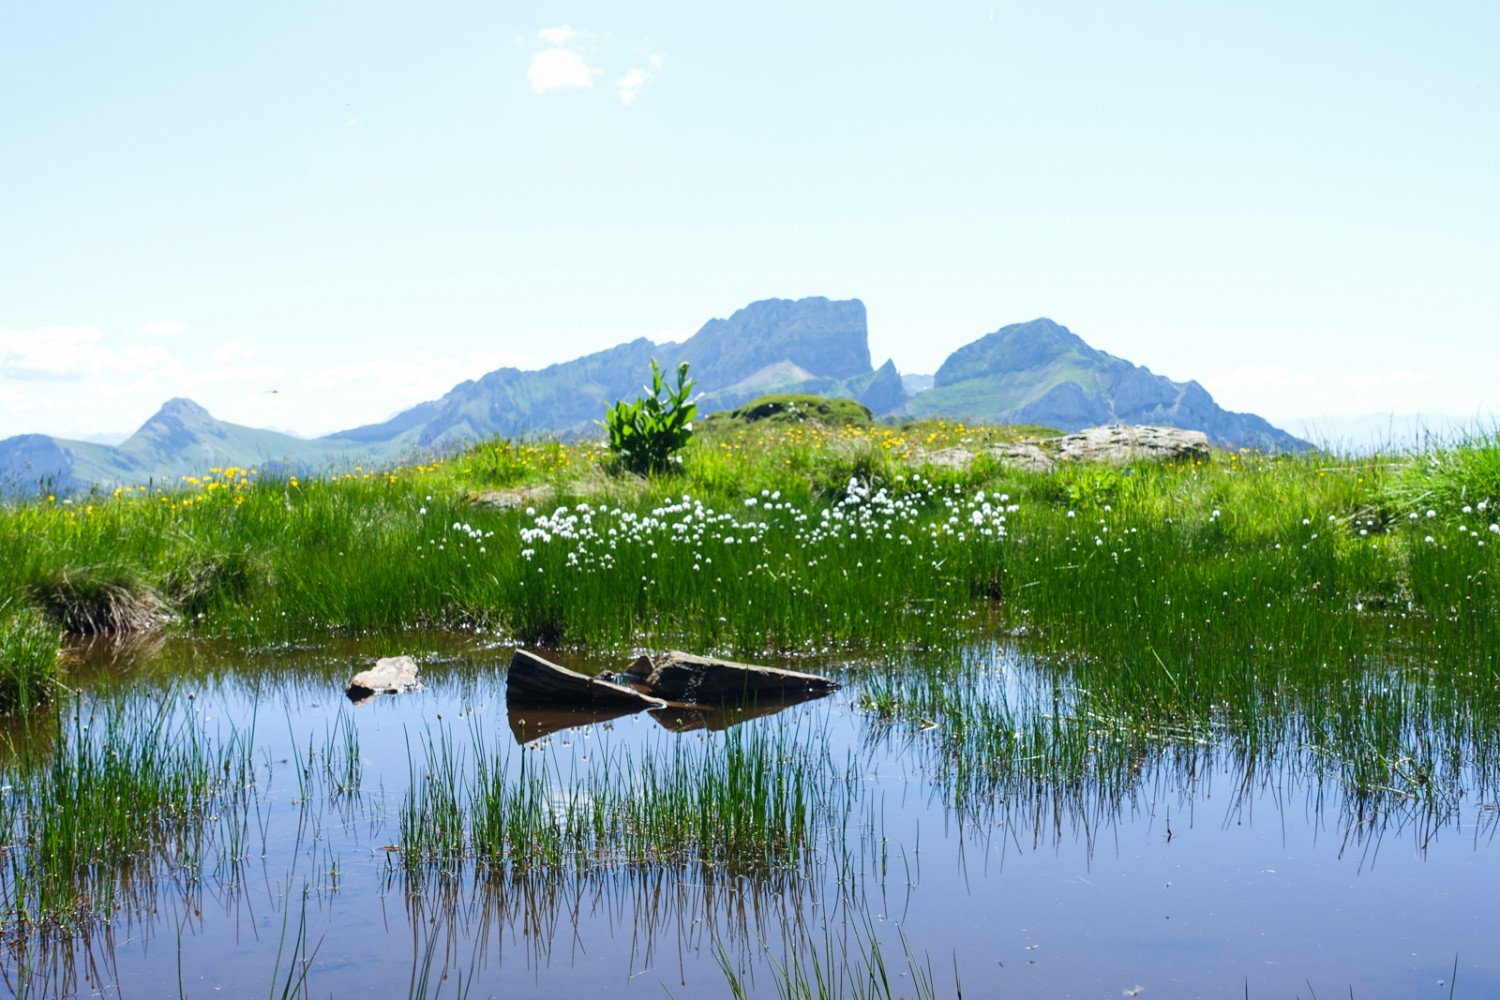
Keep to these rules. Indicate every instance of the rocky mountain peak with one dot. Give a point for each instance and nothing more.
(1014, 348)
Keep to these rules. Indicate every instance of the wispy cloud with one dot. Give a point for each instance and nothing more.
(231, 351)
(559, 69)
(416, 377)
(560, 35)
(1398, 377)
(165, 327)
(50, 353)
(1259, 376)
(631, 84)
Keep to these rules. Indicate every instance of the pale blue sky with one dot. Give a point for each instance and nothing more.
(359, 204)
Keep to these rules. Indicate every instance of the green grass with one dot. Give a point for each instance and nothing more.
(1344, 606)
(757, 802)
(797, 408)
(29, 647)
(87, 811)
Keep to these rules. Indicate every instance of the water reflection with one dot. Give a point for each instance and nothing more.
(1191, 865)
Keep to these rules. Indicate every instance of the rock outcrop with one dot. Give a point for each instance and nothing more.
(1115, 444)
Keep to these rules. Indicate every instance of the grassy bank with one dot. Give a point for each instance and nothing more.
(1235, 583)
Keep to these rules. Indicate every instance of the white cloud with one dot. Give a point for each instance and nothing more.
(231, 351)
(557, 36)
(419, 376)
(558, 68)
(631, 84)
(1259, 376)
(655, 61)
(165, 327)
(1400, 377)
(50, 353)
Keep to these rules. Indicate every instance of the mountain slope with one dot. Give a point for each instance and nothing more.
(1037, 372)
(1042, 373)
(180, 439)
(777, 345)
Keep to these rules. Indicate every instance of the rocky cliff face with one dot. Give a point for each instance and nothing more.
(1042, 373)
(810, 345)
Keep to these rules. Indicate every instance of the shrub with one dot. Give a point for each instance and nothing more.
(647, 433)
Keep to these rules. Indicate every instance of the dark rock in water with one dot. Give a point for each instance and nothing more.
(533, 679)
(684, 677)
(390, 675)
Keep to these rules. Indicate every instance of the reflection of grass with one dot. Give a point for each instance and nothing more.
(116, 793)
(843, 962)
(756, 802)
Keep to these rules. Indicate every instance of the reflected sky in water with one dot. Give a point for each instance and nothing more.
(1200, 877)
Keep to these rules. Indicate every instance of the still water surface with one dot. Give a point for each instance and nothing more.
(1197, 880)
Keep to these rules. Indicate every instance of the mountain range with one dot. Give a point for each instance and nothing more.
(1037, 372)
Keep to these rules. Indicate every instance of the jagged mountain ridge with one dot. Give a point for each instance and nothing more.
(777, 345)
(1041, 372)
(1037, 372)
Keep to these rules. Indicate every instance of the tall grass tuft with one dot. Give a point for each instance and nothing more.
(752, 802)
(29, 649)
(85, 820)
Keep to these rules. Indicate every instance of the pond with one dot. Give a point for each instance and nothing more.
(440, 844)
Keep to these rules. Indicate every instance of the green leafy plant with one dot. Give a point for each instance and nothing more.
(647, 434)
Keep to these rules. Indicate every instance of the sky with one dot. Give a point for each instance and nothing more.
(309, 216)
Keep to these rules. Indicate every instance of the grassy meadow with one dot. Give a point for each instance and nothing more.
(1316, 619)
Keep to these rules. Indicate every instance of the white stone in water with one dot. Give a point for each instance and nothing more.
(389, 675)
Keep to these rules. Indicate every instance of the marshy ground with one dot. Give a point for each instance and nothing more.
(1194, 728)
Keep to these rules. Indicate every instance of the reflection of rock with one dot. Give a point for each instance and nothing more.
(680, 676)
(684, 718)
(390, 675)
(703, 693)
(532, 722)
(533, 679)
